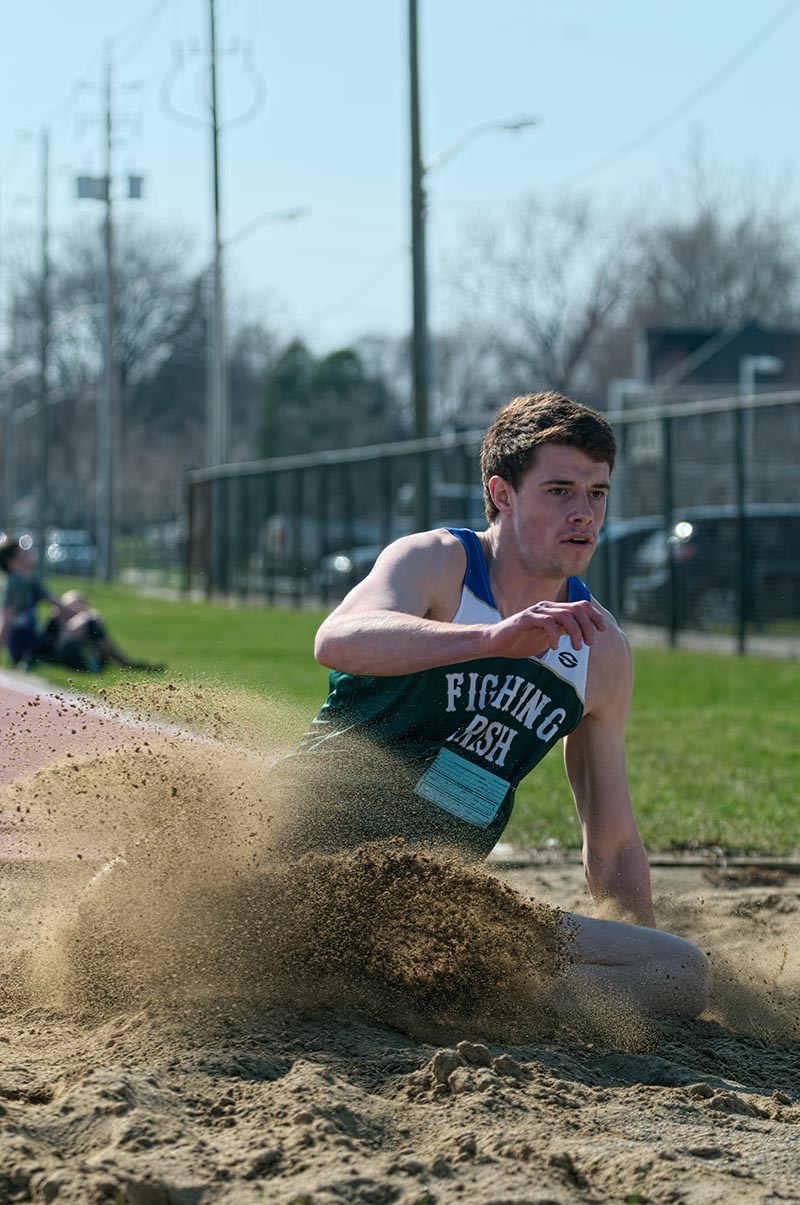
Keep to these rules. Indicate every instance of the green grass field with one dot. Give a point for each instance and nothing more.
(713, 744)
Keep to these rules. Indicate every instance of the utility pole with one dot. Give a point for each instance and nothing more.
(107, 405)
(218, 422)
(42, 489)
(219, 416)
(420, 340)
(420, 353)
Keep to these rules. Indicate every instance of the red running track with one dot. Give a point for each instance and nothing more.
(41, 725)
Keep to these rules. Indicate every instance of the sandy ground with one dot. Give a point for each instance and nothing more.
(143, 1059)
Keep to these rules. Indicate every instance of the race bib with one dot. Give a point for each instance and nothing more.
(463, 789)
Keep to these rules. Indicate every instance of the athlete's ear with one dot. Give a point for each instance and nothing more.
(501, 492)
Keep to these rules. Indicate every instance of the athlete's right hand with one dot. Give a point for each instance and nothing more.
(533, 631)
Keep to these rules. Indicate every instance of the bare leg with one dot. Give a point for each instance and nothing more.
(106, 650)
(663, 974)
(110, 651)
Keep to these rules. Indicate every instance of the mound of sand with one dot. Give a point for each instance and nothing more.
(206, 1021)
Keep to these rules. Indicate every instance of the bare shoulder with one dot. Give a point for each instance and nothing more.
(435, 552)
(610, 680)
(420, 574)
(438, 545)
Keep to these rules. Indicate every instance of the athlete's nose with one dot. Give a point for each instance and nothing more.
(582, 510)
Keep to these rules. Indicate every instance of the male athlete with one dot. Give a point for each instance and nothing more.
(464, 657)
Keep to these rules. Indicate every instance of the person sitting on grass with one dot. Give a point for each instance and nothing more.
(20, 633)
(81, 640)
(75, 635)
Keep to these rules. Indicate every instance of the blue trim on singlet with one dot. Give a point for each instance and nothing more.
(577, 590)
(476, 578)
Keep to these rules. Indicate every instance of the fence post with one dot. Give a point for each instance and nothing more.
(346, 470)
(422, 501)
(741, 525)
(323, 510)
(270, 497)
(387, 501)
(243, 546)
(188, 544)
(669, 507)
(297, 527)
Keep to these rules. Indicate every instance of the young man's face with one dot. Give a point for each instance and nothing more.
(556, 513)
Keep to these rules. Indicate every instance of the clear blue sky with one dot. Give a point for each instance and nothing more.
(333, 132)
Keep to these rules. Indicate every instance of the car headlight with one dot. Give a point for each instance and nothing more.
(342, 564)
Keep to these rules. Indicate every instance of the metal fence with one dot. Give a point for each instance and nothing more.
(703, 530)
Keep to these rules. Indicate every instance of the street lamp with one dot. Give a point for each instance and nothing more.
(511, 125)
(420, 172)
(272, 215)
(218, 415)
(752, 366)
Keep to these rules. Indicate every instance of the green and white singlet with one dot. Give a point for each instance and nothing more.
(436, 756)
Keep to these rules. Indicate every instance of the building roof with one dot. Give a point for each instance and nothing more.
(711, 355)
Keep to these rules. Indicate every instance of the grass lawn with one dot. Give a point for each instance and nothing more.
(713, 741)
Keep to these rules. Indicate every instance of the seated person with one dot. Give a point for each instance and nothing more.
(75, 635)
(19, 629)
(80, 638)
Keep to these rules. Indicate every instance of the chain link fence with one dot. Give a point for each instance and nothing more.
(702, 534)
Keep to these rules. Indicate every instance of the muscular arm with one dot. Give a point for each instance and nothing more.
(614, 859)
(397, 621)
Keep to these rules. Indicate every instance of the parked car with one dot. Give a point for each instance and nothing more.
(340, 571)
(452, 505)
(703, 546)
(70, 551)
(620, 540)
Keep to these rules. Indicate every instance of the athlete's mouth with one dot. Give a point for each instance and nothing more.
(582, 541)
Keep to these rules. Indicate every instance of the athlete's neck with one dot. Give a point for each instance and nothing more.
(513, 584)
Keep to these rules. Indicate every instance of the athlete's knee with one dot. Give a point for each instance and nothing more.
(691, 970)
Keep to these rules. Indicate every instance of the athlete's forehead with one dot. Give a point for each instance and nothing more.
(561, 464)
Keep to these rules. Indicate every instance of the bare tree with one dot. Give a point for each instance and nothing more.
(154, 283)
(162, 303)
(537, 292)
(724, 252)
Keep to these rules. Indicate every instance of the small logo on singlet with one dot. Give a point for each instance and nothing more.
(568, 659)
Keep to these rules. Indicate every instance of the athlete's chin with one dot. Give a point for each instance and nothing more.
(575, 560)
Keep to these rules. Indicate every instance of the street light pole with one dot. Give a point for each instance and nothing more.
(219, 417)
(42, 490)
(106, 410)
(420, 339)
(420, 351)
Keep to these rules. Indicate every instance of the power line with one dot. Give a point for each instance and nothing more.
(150, 20)
(689, 102)
(355, 295)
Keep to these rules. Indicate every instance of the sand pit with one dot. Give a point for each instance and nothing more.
(209, 1024)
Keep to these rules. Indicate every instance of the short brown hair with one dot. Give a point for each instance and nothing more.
(509, 446)
(8, 550)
